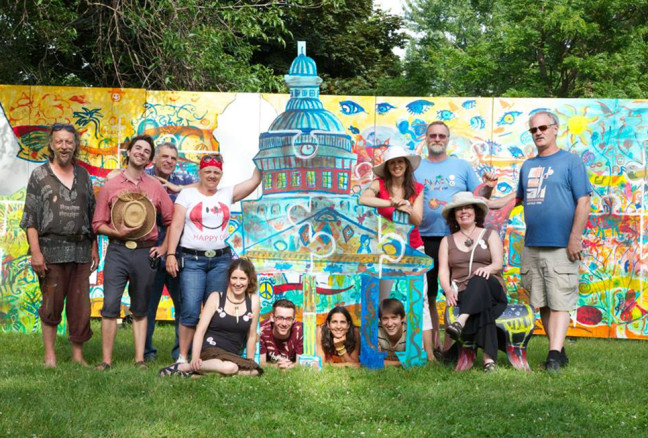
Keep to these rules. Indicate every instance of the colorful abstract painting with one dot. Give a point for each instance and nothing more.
(306, 207)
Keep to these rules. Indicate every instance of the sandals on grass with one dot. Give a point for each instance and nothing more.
(103, 366)
(490, 367)
(173, 370)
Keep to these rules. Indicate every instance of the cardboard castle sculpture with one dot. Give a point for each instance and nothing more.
(308, 223)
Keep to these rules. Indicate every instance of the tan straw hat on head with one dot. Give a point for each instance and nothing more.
(137, 211)
(396, 152)
(461, 199)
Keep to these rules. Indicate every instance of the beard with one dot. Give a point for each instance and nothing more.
(436, 149)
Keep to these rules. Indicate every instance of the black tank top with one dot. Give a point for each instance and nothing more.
(224, 332)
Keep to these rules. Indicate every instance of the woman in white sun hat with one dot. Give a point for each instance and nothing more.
(395, 189)
(470, 273)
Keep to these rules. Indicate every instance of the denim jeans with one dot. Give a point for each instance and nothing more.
(162, 278)
(199, 277)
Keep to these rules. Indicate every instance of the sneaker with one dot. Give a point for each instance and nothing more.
(552, 366)
(182, 359)
(564, 360)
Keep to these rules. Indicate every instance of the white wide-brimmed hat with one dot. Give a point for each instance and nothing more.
(396, 152)
(136, 211)
(461, 199)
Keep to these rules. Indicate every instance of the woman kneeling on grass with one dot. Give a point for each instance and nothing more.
(338, 339)
(227, 324)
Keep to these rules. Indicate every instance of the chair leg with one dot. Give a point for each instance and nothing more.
(466, 358)
(517, 357)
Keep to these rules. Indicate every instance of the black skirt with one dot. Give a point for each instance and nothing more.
(484, 300)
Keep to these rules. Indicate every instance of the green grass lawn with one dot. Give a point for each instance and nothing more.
(602, 393)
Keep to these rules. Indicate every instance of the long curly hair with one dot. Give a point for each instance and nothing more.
(408, 180)
(327, 337)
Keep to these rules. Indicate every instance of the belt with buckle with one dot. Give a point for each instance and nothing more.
(133, 244)
(209, 253)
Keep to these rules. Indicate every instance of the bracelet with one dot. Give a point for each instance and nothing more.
(170, 255)
(341, 352)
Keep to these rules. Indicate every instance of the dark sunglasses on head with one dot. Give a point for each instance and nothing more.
(541, 128)
(439, 136)
(59, 126)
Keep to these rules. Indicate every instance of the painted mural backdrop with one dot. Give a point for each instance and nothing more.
(610, 136)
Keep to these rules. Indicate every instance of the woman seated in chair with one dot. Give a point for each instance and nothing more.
(470, 273)
(227, 325)
(338, 339)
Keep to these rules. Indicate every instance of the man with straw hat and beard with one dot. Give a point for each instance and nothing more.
(126, 211)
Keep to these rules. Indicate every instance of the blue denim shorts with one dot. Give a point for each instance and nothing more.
(200, 276)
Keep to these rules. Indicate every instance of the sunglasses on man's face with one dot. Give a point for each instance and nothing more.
(541, 128)
(439, 136)
(59, 126)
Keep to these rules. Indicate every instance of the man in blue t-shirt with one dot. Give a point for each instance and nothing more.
(164, 169)
(442, 176)
(556, 192)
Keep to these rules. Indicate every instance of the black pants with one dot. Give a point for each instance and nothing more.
(431, 245)
(484, 300)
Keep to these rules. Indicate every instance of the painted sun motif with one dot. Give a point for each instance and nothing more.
(578, 125)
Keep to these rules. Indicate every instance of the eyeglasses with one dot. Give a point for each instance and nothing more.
(542, 128)
(67, 127)
(439, 136)
(284, 319)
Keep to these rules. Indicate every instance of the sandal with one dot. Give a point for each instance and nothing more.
(103, 366)
(490, 367)
(454, 330)
(172, 370)
(141, 365)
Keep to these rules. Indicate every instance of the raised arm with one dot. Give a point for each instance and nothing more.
(243, 189)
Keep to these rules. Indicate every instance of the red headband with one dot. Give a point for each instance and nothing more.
(210, 160)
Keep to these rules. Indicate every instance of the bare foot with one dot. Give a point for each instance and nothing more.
(81, 362)
(49, 362)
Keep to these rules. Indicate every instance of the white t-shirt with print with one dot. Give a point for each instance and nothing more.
(207, 218)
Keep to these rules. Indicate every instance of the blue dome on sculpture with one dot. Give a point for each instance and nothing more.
(303, 66)
(306, 148)
(304, 110)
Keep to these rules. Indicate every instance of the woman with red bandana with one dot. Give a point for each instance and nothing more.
(201, 217)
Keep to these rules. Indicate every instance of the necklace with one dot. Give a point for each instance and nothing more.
(469, 240)
(236, 305)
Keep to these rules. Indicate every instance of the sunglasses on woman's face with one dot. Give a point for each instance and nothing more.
(541, 128)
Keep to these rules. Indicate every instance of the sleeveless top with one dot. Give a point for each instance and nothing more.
(459, 261)
(388, 212)
(224, 332)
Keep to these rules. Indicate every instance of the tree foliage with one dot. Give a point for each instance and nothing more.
(192, 44)
(553, 48)
(352, 44)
